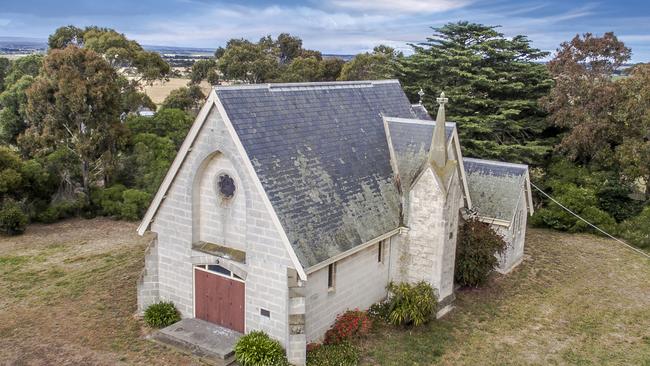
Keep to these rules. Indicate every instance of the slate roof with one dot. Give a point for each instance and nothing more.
(321, 154)
(495, 187)
(420, 112)
(411, 140)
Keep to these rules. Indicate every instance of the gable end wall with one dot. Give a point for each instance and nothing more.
(267, 259)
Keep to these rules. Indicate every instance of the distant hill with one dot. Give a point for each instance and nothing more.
(21, 45)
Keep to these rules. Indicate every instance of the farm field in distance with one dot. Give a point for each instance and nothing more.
(67, 296)
(159, 90)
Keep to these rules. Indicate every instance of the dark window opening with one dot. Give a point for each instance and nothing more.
(218, 269)
(380, 249)
(331, 276)
(226, 186)
(265, 313)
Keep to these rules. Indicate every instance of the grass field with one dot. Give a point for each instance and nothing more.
(159, 90)
(67, 296)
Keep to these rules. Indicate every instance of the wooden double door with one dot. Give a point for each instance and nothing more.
(219, 299)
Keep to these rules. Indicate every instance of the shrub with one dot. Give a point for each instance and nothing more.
(614, 198)
(590, 193)
(61, 210)
(128, 204)
(10, 180)
(475, 252)
(109, 200)
(379, 311)
(38, 183)
(411, 304)
(636, 230)
(342, 354)
(350, 324)
(161, 314)
(134, 204)
(13, 220)
(258, 349)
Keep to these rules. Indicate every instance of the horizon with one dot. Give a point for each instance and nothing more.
(331, 26)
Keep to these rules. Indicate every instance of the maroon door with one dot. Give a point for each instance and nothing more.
(219, 300)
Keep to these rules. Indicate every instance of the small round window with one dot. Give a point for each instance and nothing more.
(226, 186)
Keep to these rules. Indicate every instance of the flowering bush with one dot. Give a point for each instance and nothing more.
(351, 324)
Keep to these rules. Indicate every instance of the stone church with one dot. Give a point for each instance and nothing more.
(288, 204)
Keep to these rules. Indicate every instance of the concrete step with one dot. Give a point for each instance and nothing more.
(211, 343)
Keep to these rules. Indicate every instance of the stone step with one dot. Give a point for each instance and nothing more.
(211, 343)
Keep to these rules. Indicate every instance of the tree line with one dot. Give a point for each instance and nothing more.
(70, 132)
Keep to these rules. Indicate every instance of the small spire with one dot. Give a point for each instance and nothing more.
(438, 158)
(421, 94)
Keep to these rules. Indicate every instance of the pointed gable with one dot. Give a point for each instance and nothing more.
(411, 139)
(321, 155)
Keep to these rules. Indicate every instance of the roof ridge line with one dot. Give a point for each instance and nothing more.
(496, 162)
(417, 121)
(307, 85)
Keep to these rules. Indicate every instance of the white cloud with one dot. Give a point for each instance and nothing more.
(401, 6)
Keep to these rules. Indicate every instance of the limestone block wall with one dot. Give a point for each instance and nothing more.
(360, 282)
(453, 204)
(148, 281)
(428, 250)
(220, 220)
(267, 259)
(297, 346)
(515, 236)
(421, 249)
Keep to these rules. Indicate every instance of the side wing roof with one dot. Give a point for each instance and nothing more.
(495, 188)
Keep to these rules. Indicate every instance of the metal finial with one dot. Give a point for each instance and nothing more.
(421, 94)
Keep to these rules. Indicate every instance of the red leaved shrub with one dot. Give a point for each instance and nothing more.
(351, 324)
(313, 346)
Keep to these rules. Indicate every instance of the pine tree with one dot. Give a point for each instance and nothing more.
(493, 84)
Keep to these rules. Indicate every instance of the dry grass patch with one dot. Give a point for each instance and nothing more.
(576, 299)
(159, 90)
(67, 296)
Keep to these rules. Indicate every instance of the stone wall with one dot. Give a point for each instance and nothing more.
(148, 281)
(453, 204)
(360, 282)
(427, 251)
(515, 236)
(218, 219)
(267, 259)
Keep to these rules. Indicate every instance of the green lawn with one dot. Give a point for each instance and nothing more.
(67, 296)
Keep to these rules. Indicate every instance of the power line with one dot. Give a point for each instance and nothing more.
(639, 251)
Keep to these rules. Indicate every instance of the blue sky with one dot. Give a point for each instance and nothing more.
(332, 26)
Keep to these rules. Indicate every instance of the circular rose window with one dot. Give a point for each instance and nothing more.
(226, 186)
